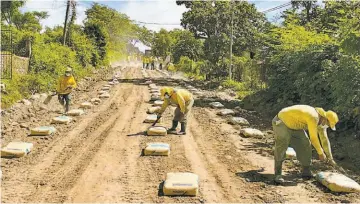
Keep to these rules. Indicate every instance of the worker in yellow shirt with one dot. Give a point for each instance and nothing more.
(184, 101)
(289, 127)
(144, 61)
(152, 63)
(147, 62)
(65, 86)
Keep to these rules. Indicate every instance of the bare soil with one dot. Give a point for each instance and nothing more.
(97, 157)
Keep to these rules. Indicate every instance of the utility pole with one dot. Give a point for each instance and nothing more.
(231, 38)
(66, 20)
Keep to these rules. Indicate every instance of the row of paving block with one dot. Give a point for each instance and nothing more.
(178, 183)
(18, 149)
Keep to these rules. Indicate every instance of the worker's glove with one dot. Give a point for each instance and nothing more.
(322, 157)
(69, 87)
(331, 162)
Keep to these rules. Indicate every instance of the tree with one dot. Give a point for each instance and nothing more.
(110, 30)
(9, 9)
(310, 8)
(187, 46)
(144, 35)
(29, 21)
(213, 25)
(162, 43)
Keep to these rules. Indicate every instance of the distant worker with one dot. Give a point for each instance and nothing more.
(152, 62)
(184, 101)
(289, 127)
(144, 61)
(171, 67)
(161, 61)
(65, 86)
(147, 62)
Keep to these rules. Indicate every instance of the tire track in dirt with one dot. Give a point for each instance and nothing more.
(203, 134)
(74, 162)
(115, 160)
(111, 160)
(85, 144)
(22, 187)
(210, 188)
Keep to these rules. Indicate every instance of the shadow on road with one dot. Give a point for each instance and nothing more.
(161, 192)
(256, 176)
(143, 133)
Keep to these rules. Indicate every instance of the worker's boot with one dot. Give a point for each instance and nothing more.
(67, 108)
(306, 173)
(278, 179)
(278, 172)
(173, 128)
(183, 129)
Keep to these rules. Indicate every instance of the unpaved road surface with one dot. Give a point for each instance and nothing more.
(97, 157)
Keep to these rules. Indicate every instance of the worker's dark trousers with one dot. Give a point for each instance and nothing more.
(182, 117)
(297, 139)
(65, 100)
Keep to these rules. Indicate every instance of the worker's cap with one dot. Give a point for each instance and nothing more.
(166, 90)
(331, 116)
(68, 70)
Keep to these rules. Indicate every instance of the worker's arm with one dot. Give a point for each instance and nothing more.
(58, 87)
(181, 102)
(72, 82)
(163, 107)
(325, 143)
(313, 132)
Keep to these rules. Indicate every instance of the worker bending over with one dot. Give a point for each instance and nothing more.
(289, 127)
(65, 86)
(184, 101)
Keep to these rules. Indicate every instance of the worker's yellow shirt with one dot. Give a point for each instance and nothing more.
(304, 117)
(65, 82)
(179, 97)
(146, 60)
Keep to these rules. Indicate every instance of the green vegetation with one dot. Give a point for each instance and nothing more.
(311, 58)
(104, 38)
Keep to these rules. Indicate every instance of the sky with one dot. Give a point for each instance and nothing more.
(150, 11)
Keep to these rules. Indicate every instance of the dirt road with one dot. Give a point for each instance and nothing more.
(97, 157)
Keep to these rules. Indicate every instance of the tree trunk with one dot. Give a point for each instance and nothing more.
(29, 48)
(65, 23)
